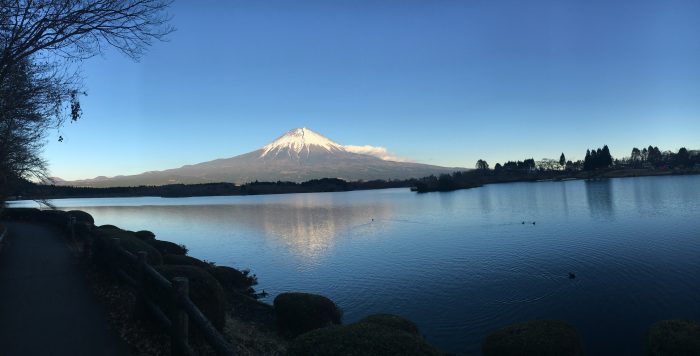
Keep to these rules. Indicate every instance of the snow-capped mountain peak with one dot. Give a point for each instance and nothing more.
(300, 140)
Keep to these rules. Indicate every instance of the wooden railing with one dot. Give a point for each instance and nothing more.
(184, 313)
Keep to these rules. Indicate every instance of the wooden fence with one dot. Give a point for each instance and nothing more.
(142, 278)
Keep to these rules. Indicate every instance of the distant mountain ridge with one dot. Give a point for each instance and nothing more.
(299, 155)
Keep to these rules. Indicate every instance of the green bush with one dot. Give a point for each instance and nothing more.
(31, 214)
(359, 339)
(298, 313)
(81, 217)
(184, 261)
(107, 227)
(58, 218)
(103, 239)
(673, 337)
(205, 292)
(537, 337)
(145, 235)
(392, 321)
(82, 230)
(234, 280)
(167, 247)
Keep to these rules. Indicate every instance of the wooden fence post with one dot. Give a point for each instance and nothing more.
(87, 246)
(141, 283)
(114, 257)
(71, 224)
(179, 335)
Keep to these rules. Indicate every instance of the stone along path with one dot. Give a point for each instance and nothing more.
(46, 305)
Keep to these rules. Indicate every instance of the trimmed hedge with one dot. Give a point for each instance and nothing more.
(359, 339)
(82, 217)
(298, 313)
(673, 337)
(31, 214)
(57, 218)
(205, 292)
(231, 278)
(392, 321)
(103, 237)
(167, 247)
(537, 337)
(184, 261)
(107, 226)
(145, 235)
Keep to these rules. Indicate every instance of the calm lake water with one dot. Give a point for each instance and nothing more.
(459, 264)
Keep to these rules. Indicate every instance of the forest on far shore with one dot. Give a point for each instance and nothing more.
(598, 163)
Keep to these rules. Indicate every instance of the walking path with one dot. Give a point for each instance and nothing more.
(46, 305)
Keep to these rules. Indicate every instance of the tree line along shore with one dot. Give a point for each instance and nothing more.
(598, 164)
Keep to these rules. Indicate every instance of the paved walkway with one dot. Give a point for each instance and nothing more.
(46, 305)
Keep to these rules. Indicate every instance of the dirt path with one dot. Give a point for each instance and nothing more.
(46, 305)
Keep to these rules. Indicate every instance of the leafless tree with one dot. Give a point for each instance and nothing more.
(42, 43)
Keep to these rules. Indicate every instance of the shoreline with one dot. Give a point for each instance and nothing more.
(477, 181)
(491, 177)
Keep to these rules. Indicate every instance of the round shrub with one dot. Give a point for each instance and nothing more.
(82, 230)
(184, 261)
(81, 217)
(673, 337)
(537, 337)
(31, 214)
(59, 218)
(298, 313)
(392, 321)
(145, 235)
(205, 292)
(167, 247)
(360, 339)
(127, 240)
(231, 278)
(107, 227)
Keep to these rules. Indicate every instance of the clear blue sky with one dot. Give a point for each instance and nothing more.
(442, 82)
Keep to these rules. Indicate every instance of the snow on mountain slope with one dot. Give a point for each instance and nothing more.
(296, 142)
(299, 155)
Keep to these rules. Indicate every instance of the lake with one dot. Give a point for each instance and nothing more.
(459, 264)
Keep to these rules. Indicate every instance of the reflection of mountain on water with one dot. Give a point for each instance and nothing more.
(306, 228)
(310, 230)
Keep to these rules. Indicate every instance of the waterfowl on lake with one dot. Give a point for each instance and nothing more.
(533, 223)
(572, 275)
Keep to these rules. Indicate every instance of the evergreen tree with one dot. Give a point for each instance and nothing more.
(587, 162)
(606, 158)
(562, 160)
(683, 157)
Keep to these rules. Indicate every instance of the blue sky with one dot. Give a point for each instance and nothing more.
(441, 82)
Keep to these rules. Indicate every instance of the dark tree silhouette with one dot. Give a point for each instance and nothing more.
(482, 165)
(562, 160)
(40, 43)
(636, 155)
(683, 157)
(606, 159)
(598, 158)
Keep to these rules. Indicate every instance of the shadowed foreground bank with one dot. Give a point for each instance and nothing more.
(46, 305)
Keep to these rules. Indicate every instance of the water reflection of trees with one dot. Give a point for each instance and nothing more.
(304, 227)
(600, 198)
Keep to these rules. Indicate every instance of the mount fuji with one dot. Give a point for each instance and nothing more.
(299, 155)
